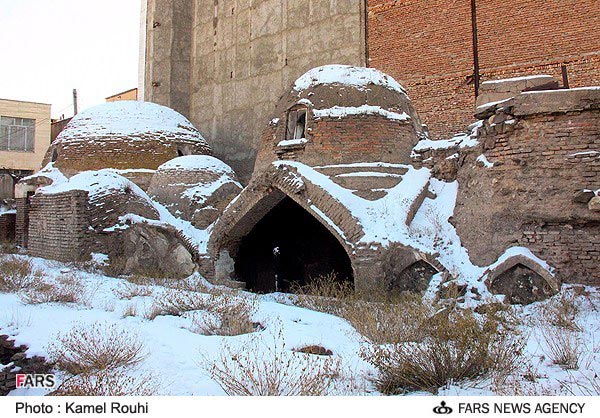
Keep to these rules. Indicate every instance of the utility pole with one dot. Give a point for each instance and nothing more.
(74, 102)
(475, 47)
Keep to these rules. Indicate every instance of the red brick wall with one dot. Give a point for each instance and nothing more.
(426, 45)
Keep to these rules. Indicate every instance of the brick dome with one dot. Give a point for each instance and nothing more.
(196, 188)
(342, 114)
(124, 135)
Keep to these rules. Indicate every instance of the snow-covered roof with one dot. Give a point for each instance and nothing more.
(197, 163)
(96, 183)
(129, 119)
(358, 77)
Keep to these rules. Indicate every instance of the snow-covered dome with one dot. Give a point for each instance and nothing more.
(124, 135)
(342, 114)
(195, 187)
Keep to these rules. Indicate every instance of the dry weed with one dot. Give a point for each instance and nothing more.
(227, 315)
(129, 291)
(107, 383)
(16, 274)
(90, 348)
(269, 369)
(455, 346)
(564, 347)
(65, 289)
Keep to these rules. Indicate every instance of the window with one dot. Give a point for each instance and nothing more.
(296, 127)
(17, 134)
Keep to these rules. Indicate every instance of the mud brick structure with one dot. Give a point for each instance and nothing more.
(7, 226)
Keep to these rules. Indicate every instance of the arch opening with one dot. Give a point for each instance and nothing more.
(414, 278)
(288, 247)
(521, 285)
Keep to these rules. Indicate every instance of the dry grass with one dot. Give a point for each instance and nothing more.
(227, 315)
(129, 291)
(389, 322)
(176, 302)
(325, 294)
(8, 247)
(269, 369)
(130, 310)
(107, 383)
(16, 274)
(65, 289)
(561, 311)
(455, 346)
(564, 347)
(88, 349)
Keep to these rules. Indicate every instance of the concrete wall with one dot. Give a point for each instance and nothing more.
(244, 54)
(24, 160)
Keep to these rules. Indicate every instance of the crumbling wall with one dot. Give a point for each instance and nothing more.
(544, 148)
(7, 227)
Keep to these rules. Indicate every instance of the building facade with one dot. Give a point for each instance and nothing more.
(24, 139)
(224, 63)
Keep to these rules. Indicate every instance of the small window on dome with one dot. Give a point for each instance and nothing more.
(296, 126)
(182, 151)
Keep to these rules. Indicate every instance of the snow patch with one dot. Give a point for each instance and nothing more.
(342, 112)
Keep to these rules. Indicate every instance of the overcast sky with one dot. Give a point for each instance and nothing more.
(50, 47)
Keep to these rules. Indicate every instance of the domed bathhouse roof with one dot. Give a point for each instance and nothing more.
(124, 135)
(342, 114)
(195, 187)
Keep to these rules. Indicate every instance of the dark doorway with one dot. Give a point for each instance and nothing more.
(289, 246)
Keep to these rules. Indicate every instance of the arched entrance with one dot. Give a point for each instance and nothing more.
(289, 246)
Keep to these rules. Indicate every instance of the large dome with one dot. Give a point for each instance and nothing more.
(342, 114)
(124, 135)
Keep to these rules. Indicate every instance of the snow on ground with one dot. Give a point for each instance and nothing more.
(175, 354)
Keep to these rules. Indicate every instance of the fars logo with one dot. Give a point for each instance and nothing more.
(37, 381)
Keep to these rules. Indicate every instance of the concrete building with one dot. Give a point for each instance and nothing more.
(223, 64)
(24, 139)
(131, 94)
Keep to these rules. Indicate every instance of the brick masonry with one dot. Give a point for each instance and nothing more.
(427, 47)
(541, 160)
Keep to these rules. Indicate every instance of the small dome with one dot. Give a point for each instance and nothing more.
(337, 114)
(124, 135)
(195, 187)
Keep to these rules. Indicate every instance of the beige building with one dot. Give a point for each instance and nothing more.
(24, 139)
(131, 94)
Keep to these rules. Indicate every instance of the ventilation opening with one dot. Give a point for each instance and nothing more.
(521, 285)
(288, 247)
(180, 152)
(296, 127)
(414, 278)
(54, 155)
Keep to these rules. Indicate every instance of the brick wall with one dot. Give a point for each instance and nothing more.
(22, 221)
(427, 46)
(58, 226)
(351, 139)
(541, 161)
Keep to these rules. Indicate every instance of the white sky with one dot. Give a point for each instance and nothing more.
(50, 47)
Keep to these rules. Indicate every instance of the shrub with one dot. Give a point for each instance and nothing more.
(325, 294)
(561, 311)
(130, 310)
(389, 322)
(16, 274)
(564, 347)
(227, 315)
(455, 346)
(65, 289)
(176, 302)
(107, 383)
(260, 369)
(129, 291)
(90, 348)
